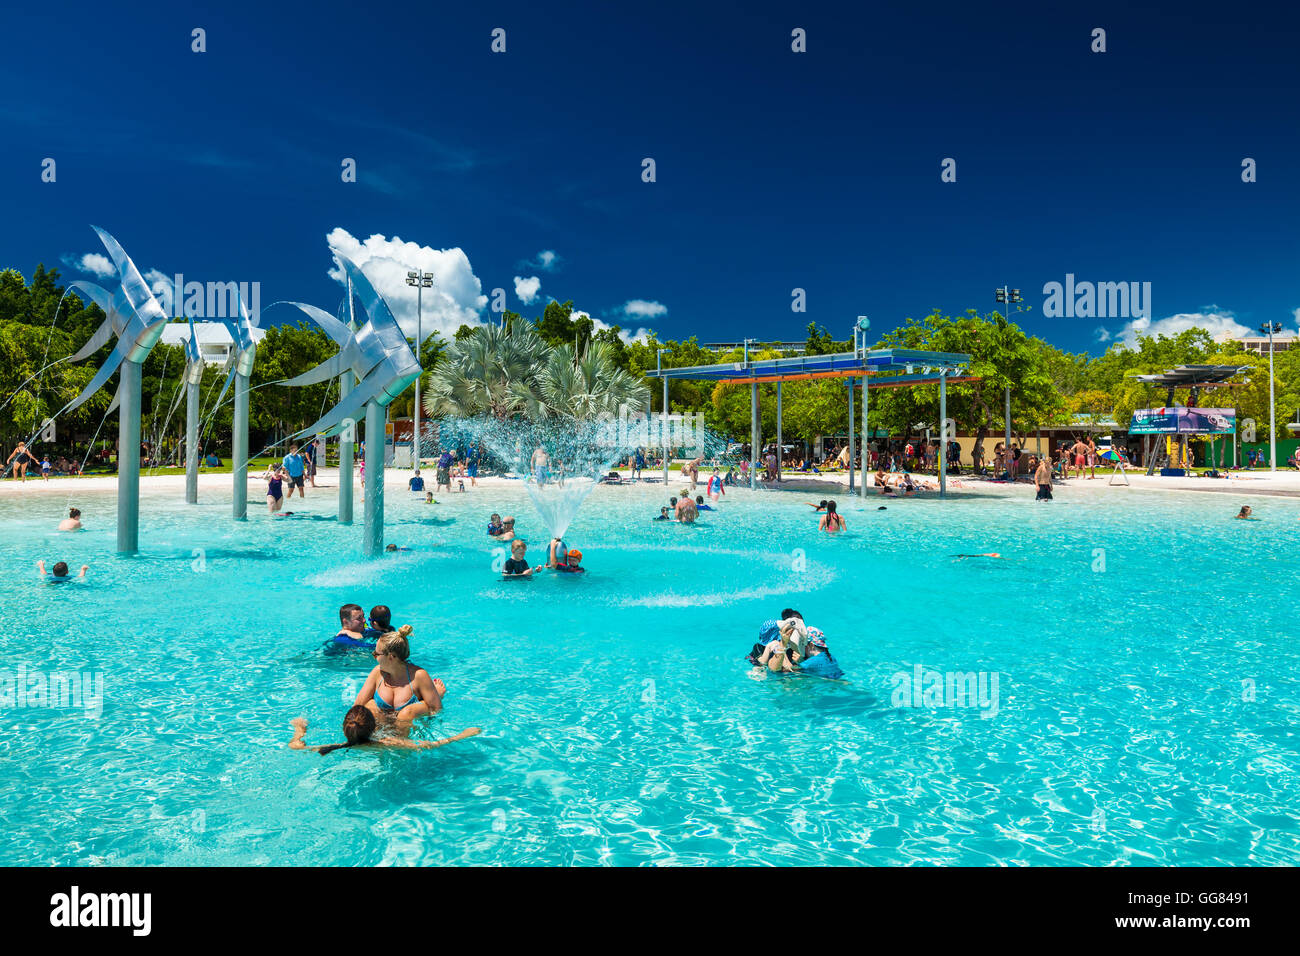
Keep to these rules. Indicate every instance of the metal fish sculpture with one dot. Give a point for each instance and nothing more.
(242, 354)
(377, 353)
(134, 317)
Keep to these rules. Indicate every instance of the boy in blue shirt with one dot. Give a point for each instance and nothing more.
(294, 466)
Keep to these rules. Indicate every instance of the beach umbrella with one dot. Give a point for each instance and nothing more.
(1110, 454)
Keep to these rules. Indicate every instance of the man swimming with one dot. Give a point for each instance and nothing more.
(352, 627)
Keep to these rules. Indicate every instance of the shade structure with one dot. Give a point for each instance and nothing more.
(878, 368)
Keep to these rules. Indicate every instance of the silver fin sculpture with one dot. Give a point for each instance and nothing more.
(136, 320)
(134, 317)
(383, 364)
(377, 353)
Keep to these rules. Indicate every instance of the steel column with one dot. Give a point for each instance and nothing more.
(128, 460)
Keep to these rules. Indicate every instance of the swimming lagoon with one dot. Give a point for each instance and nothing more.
(1132, 654)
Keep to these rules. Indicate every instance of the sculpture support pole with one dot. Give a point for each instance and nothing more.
(239, 449)
(192, 443)
(373, 534)
(347, 453)
(128, 461)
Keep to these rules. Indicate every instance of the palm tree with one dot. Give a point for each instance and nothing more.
(586, 385)
(491, 372)
(511, 372)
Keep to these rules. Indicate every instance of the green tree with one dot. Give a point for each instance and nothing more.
(1002, 356)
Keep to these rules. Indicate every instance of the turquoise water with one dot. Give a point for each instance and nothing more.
(1144, 646)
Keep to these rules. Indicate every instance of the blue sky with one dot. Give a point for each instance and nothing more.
(775, 170)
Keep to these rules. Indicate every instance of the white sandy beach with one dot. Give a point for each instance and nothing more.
(1285, 483)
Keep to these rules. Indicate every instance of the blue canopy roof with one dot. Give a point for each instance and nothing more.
(915, 364)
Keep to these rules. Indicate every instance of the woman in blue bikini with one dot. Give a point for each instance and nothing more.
(398, 689)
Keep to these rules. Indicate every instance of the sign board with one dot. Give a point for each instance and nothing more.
(1180, 420)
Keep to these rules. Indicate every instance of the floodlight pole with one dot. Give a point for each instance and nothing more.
(1271, 327)
(851, 437)
(421, 280)
(780, 449)
(1006, 445)
(860, 349)
(755, 425)
(1007, 296)
(943, 433)
(663, 415)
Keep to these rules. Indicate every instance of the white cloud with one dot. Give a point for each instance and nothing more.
(1102, 334)
(526, 289)
(642, 309)
(548, 260)
(598, 325)
(95, 263)
(1219, 324)
(161, 286)
(456, 298)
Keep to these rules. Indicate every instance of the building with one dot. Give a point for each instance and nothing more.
(796, 347)
(215, 342)
(1258, 344)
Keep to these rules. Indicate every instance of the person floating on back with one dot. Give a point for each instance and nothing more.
(358, 728)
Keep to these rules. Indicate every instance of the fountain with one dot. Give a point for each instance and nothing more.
(561, 460)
